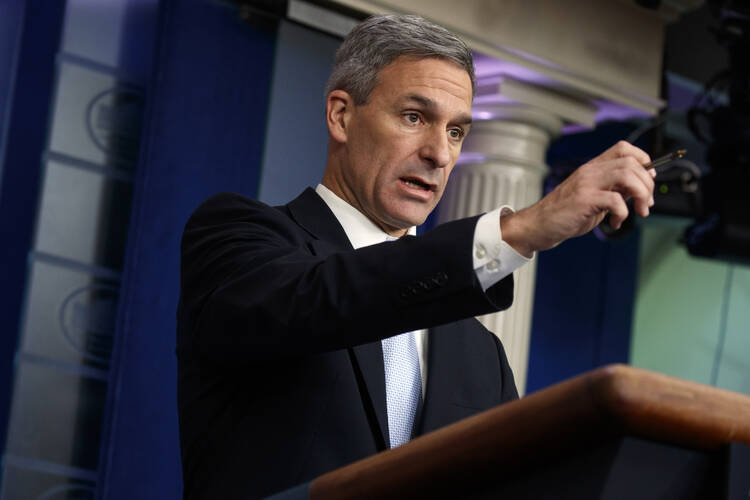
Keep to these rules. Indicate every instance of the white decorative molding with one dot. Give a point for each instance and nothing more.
(504, 89)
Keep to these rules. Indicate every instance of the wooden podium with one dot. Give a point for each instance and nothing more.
(616, 432)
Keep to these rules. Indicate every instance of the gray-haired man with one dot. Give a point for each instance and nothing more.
(302, 329)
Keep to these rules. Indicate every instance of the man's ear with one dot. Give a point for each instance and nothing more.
(339, 109)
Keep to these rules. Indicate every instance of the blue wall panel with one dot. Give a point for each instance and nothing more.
(582, 308)
(204, 133)
(297, 137)
(29, 39)
(11, 22)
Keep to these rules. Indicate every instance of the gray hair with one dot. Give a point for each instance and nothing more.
(379, 40)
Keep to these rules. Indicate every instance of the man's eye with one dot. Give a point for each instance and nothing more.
(412, 118)
(456, 133)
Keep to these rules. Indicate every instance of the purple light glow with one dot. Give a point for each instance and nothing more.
(612, 111)
(467, 158)
(574, 128)
(490, 70)
(482, 115)
(485, 66)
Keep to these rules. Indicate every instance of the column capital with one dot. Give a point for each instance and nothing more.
(508, 98)
(511, 133)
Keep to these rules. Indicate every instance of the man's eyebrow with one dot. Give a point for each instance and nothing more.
(420, 99)
(426, 102)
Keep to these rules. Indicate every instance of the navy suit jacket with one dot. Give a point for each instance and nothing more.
(280, 366)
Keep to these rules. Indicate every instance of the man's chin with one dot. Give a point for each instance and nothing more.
(403, 213)
(402, 220)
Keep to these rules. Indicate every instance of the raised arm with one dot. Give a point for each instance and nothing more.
(599, 187)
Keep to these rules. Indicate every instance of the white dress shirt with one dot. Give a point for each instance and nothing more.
(493, 258)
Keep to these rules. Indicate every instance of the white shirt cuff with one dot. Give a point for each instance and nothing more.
(493, 258)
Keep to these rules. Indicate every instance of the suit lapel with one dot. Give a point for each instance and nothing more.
(435, 391)
(442, 380)
(371, 379)
(312, 213)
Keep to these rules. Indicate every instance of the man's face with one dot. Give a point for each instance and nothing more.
(402, 145)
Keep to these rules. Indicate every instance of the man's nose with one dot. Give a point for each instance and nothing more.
(437, 148)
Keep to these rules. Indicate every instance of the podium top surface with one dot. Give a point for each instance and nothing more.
(615, 400)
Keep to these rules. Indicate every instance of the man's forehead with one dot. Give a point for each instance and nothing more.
(414, 77)
(436, 65)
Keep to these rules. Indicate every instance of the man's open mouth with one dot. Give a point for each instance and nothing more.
(417, 183)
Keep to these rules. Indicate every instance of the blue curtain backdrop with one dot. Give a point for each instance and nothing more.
(204, 133)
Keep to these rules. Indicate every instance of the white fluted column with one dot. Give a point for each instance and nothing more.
(503, 163)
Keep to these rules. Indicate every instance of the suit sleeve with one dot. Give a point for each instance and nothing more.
(252, 287)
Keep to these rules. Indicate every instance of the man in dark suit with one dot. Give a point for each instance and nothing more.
(302, 342)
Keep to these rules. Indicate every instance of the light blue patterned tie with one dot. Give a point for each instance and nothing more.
(403, 385)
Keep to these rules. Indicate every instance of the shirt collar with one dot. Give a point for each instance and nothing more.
(360, 230)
